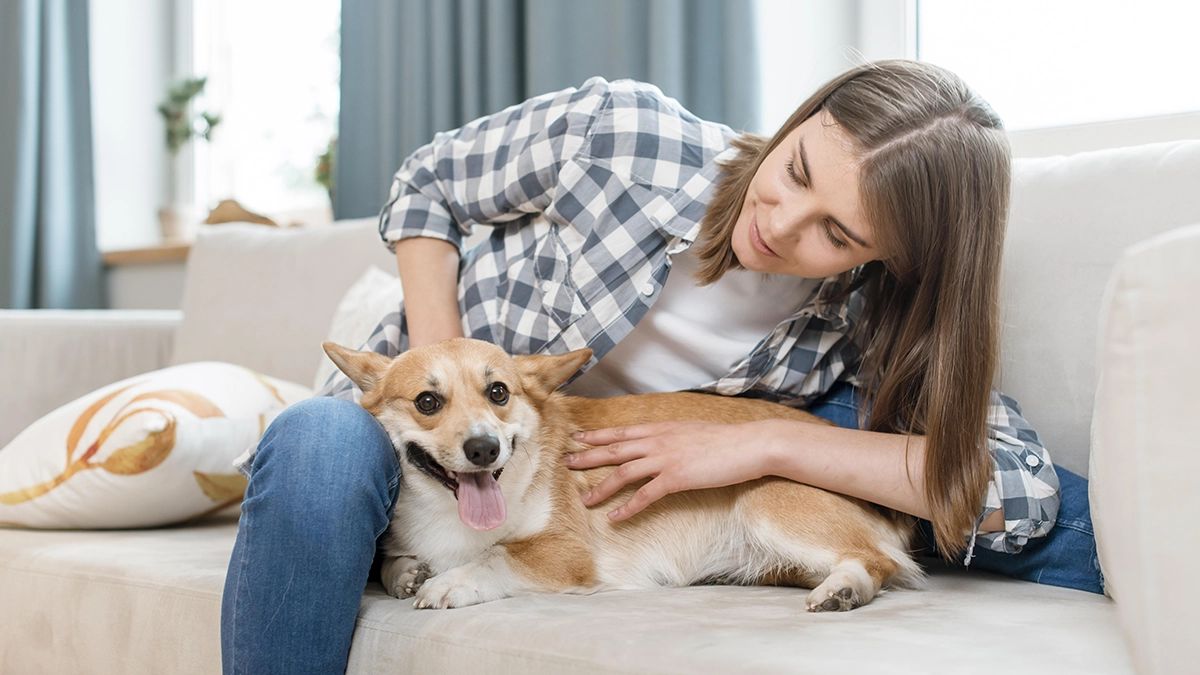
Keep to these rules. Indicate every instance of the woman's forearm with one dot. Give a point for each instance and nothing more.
(865, 464)
(429, 274)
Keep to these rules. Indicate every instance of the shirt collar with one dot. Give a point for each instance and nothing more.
(680, 215)
(841, 313)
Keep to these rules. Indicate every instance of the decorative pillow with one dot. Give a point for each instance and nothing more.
(150, 450)
(372, 297)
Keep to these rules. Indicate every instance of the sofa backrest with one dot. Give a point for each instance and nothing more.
(263, 297)
(1071, 219)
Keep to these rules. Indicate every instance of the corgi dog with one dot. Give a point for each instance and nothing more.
(487, 508)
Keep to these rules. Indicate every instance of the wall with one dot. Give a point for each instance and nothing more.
(801, 45)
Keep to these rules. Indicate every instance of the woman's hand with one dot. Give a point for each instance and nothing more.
(676, 456)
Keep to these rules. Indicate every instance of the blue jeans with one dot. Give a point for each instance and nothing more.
(322, 489)
(1066, 556)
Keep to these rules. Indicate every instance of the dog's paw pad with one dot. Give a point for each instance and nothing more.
(842, 600)
(419, 577)
(404, 578)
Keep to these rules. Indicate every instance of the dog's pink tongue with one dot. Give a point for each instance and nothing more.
(480, 502)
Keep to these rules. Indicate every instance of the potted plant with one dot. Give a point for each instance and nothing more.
(325, 173)
(178, 221)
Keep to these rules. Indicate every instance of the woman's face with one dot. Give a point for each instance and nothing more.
(802, 214)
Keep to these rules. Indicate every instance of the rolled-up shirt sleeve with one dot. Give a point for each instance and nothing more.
(492, 170)
(1024, 483)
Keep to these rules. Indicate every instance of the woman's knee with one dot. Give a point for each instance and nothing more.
(327, 444)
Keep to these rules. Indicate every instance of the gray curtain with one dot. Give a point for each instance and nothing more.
(411, 68)
(48, 255)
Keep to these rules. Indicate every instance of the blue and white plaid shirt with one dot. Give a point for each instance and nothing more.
(589, 193)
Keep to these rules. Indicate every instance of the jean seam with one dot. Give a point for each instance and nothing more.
(237, 593)
(1076, 525)
(840, 404)
(393, 497)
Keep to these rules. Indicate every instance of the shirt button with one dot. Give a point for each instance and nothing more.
(1032, 460)
(648, 289)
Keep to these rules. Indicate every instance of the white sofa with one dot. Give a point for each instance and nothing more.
(149, 601)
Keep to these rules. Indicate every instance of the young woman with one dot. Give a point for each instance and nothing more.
(848, 265)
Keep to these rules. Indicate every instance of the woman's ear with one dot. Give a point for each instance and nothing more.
(363, 368)
(542, 374)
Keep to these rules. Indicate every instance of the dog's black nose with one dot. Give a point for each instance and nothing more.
(482, 450)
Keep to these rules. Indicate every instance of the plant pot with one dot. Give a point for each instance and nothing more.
(179, 222)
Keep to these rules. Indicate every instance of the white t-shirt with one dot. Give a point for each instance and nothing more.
(694, 335)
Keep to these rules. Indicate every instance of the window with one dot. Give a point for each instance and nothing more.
(1046, 64)
(272, 68)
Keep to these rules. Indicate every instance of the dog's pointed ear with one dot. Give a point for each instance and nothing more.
(363, 368)
(542, 374)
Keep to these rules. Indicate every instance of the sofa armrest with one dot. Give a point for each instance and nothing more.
(1144, 462)
(51, 357)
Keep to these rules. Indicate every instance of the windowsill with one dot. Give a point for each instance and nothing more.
(166, 252)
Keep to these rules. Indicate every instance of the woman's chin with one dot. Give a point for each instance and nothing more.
(747, 257)
(754, 261)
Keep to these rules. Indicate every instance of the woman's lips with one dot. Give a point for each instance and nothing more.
(759, 244)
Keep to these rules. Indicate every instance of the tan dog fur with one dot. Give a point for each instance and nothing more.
(766, 531)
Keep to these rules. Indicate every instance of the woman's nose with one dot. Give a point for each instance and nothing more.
(787, 220)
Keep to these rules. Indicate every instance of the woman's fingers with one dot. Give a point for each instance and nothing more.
(614, 445)
(645, 496)
(629, 472)
(618, 434)
(636, 452)
(601, 456)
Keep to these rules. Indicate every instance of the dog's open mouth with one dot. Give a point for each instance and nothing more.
(480, 501)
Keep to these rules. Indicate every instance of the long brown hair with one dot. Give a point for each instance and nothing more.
(934, 183)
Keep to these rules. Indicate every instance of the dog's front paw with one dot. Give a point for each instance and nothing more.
(403, 576)
(456, 588)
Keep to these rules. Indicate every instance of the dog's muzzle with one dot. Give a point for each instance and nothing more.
(482, 450)
(428, 466)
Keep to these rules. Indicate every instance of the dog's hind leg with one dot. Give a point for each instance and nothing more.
(844, 547)
(851, 583)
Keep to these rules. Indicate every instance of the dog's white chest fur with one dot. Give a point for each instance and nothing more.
(425, 524)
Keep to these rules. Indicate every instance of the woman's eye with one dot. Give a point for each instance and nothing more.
(837, 243)
(428, 403)
(791, 169)
(498, 393)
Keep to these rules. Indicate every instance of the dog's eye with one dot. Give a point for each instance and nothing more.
(498, 393)
(428, 403)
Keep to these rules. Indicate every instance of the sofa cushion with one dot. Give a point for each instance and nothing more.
(149, 602)
(373, 296)
(149, 450)
(1071, 219)
(263, 297)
